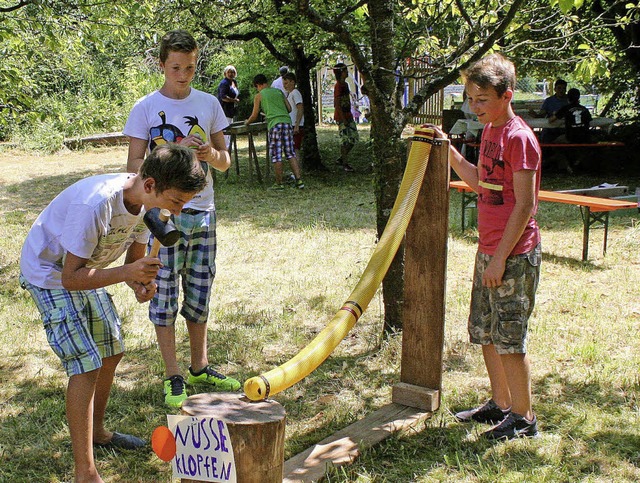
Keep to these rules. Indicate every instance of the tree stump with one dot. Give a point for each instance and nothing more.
(256, 430)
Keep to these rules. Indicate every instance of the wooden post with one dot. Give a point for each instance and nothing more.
(425, 289)
(256, 430)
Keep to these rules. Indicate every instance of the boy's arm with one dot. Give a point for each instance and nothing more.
(220, 158)
(466, 170)
(76, 276)
(299, 114)
(286, 103)
(137, 151)
(524, 189)
(256, 109)
(143, 292)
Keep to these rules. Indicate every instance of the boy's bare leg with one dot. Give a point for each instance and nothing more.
(277, 170)
(497, 377)
(101, 397)
(519, 370)
(198, 345)
(79, 406)
(166, 336)
(345, 149)
(295, 167)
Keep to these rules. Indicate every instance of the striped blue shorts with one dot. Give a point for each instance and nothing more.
(192, 261)
(281, 139)
(82, 326)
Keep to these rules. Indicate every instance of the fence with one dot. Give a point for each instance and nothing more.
(416, 77)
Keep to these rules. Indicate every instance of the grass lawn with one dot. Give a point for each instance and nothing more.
(286, 262)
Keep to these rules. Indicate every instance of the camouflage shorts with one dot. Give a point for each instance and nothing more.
(348, 133)
(500, 315)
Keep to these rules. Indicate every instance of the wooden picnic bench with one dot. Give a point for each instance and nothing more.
(592, 208)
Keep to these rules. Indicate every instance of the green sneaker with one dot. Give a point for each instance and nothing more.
(208, 375)
(175, 392)
(277, 187)
(299, 184)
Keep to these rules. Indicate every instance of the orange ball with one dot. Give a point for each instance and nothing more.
(163, 443)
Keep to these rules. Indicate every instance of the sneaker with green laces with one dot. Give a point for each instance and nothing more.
(299, 184)
(208, 375)
(175, 391)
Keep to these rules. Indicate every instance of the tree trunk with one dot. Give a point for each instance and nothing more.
(389, 153)
(310, 159)
(388, 150)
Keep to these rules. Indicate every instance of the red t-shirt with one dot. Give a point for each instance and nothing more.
(503, 151)
(342, 102)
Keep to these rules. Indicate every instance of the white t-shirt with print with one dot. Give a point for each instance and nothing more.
(89, 220)
(161, 120)
(294, 99)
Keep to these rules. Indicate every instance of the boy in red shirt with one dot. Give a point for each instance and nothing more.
(342, 115)
(507, 266)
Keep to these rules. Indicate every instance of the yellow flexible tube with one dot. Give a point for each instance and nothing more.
(308, 359)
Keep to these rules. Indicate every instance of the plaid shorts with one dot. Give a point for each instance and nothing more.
(193, 259)
(348, 133)
(500, 315)
(82, 326)
(281, 139)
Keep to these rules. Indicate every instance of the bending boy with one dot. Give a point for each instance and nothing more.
(276, 109)
(507, 266)
(64, 267)
(178, 113)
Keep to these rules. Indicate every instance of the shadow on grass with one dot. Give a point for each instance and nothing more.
(37, 444)
(447, 450)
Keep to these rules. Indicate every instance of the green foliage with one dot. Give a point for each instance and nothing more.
(249, 58)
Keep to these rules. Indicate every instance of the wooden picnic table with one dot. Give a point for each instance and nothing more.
(461, 126)
(592, 208)
(239, 128)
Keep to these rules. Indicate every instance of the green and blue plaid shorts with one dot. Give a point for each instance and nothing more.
(191, 261)
(82, 326)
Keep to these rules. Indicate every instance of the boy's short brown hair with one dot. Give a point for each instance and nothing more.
(174, 167)
(289, 76)
(494, 71)
(176, 41)
(260, 79)
(339, 68)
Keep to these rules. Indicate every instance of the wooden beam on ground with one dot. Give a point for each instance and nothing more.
(345, 445)
(106, 139)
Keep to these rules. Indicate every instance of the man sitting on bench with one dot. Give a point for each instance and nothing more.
(577, 120)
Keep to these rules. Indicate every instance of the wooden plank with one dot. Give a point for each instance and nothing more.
(594, 203)
(416, 396)
(600, 192)
(425, 276)
(106, 139)
(602, 144)
(344, 446)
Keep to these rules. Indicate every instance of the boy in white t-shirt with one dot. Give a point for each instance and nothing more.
(178, 113)
(64, 264)
(297, 108)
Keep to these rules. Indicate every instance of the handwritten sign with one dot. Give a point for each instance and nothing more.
(203, 449)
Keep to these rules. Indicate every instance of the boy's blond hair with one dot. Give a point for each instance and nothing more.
(494, 70)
